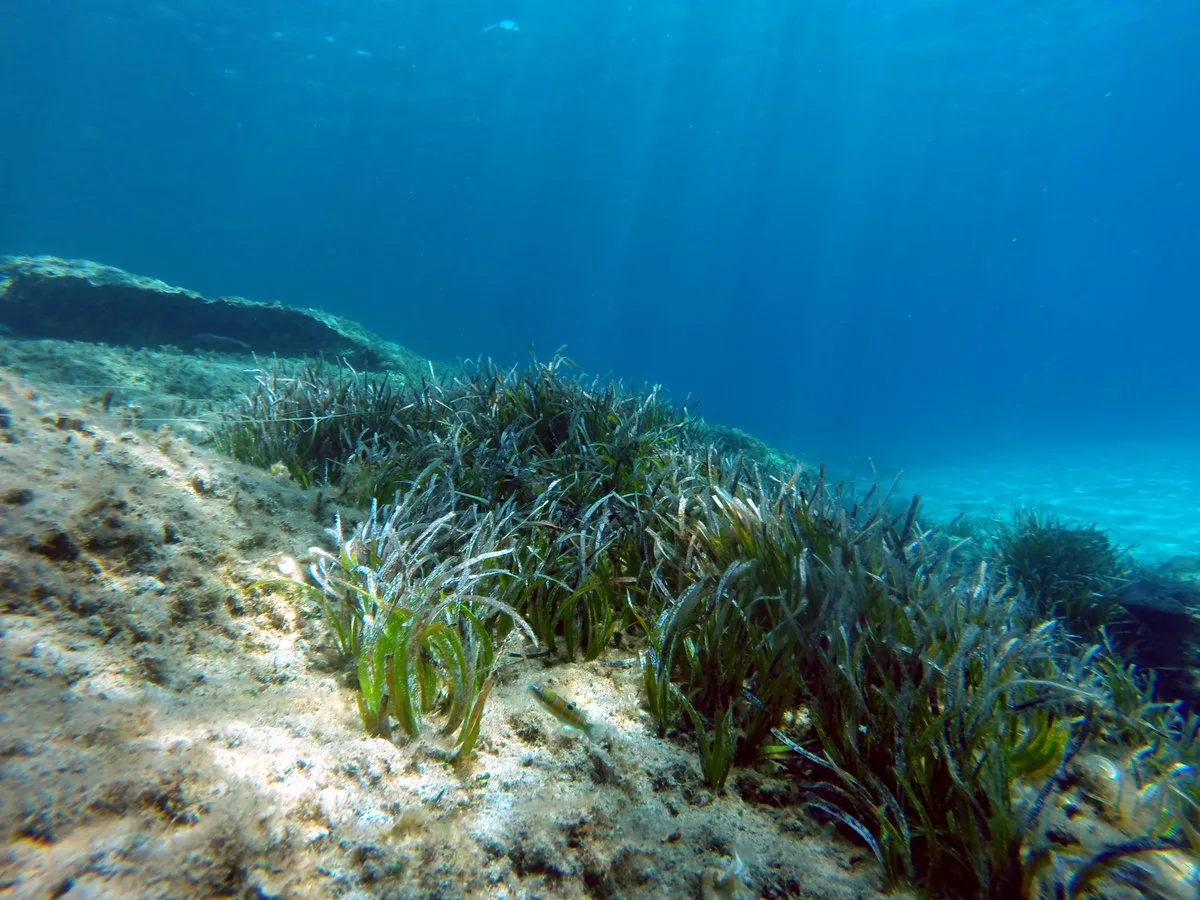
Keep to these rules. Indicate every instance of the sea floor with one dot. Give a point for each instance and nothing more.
(1146, 495)
(170, 727)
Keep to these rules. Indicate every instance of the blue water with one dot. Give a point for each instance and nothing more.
(932, 233)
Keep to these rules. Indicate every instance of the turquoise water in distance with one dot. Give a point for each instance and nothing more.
(1145, 495)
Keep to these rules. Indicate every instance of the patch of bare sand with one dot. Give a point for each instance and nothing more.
(165, 732)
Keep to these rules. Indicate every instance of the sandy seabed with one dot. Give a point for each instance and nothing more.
(168, 731)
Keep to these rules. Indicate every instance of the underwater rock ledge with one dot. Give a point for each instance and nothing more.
(80, 300)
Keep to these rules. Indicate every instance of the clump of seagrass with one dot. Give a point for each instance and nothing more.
(1142, 780)
(311, 421)
(410, 596)
(581, 464)
(930, 693)
(1070, 571)
(499, 434)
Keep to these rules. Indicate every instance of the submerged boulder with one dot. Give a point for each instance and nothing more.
(1166, 610)
(78, 300)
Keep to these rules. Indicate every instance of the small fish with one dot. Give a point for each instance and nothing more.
(220, 343)
(620, 663)
(563, 710)
(503, 25)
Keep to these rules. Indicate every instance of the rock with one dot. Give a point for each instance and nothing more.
(1165, 608)
(78, 300)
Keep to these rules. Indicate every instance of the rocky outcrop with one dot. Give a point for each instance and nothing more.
(1165, 609)
(78, 300)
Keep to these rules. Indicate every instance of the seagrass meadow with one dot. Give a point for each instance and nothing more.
(847, 549)
(967, 702)
(281, 645)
